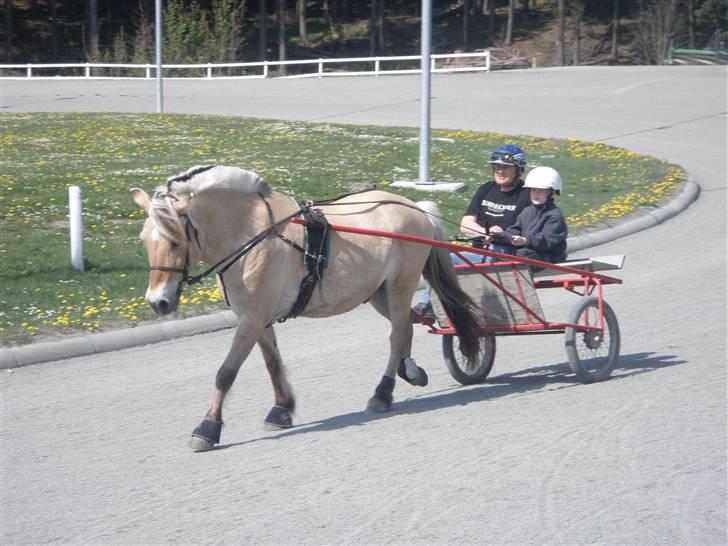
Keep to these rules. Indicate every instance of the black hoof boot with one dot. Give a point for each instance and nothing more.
(382, 399)
(278, 417)
(420, 380)
(205, 436)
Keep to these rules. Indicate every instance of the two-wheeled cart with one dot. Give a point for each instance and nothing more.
(507, 291)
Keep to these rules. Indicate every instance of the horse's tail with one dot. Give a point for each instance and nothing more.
(459, 306)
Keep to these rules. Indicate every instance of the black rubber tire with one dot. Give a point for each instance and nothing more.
(456, 363)
(591, 358)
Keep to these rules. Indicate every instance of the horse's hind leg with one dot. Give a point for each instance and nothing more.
(285, 403)
(207, 433)
(398, 297)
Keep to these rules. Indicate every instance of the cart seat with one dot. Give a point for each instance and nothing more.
(500, 309)
(600, 263)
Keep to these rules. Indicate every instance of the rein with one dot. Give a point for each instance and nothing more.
(225, 263)
(244, 249)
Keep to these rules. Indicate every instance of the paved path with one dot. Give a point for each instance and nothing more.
(93, 448)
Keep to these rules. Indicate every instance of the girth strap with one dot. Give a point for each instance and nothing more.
(315, 257)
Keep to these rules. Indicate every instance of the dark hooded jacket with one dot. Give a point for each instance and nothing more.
(545, 228)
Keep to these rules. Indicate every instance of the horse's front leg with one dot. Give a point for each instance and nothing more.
(285, 403)
(207, 433)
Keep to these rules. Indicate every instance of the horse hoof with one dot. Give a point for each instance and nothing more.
(200, 444)
(382, 399)
(278, 417)
(206, 435)
(377, 405)
(420, 380)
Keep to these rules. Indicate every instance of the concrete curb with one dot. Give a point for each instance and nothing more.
(36, 353)
(164, 330)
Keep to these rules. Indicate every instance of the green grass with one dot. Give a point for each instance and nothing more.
(107, 154)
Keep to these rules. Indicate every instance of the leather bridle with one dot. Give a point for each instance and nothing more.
(190, 230)
(233, 257)
(242, 250)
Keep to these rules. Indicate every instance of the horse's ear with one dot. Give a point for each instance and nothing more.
(181, 203)
(140, 198)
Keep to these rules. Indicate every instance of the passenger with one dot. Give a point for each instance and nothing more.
(494, 206)
(540, 231)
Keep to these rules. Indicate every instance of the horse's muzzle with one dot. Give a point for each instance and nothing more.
(164, 306)
(164, 299)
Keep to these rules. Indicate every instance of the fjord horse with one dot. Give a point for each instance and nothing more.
(232, 220)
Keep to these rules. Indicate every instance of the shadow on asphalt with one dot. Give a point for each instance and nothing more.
(524, 382)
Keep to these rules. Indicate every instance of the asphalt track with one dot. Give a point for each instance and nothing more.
(93, 448)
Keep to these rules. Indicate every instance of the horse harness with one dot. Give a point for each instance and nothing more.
(315, 252)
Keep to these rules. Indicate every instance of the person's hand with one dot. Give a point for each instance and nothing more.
(496, 229)
(518, 240)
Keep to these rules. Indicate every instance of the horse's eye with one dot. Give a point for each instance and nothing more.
(174, 245)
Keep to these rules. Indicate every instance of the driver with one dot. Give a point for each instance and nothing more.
(494, 206)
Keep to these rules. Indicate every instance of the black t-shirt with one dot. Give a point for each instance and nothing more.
(493, 207)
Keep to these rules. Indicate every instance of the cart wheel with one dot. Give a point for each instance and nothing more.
(592, 356)
(457, 364)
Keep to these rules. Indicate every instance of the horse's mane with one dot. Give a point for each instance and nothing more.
(198, 180)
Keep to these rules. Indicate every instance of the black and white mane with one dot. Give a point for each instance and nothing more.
(196, 181)
(210, 177)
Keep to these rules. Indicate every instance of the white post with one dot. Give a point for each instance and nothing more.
(158, 54)
(425, 45)
(76, 227)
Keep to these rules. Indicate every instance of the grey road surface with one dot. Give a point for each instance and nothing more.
(94, 448)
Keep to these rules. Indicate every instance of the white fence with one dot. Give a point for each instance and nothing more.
(406, 64)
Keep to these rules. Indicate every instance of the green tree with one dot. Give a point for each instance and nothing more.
(185, 33)
(224, 40)
(711, 17)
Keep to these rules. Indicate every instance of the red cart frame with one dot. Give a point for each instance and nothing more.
(592, 333)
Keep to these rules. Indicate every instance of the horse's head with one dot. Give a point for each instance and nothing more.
(167, 236)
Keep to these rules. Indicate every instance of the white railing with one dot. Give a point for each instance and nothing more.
(444, 62)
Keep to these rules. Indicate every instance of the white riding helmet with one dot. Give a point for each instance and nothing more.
(544, 178)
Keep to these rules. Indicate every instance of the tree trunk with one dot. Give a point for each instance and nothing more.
(526, 8)
(509, 24)
(380, 25)
(92, 30)
(301, 16)
(615, 30)
(691, 24)
(282, 69)
(9, 31)
(466, 14)
(491, 21)
(372, 28)
(263, 35)
(331, 19)
(52, 12)
(579, 15)
(561, 17)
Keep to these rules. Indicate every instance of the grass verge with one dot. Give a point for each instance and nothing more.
(107, 154)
